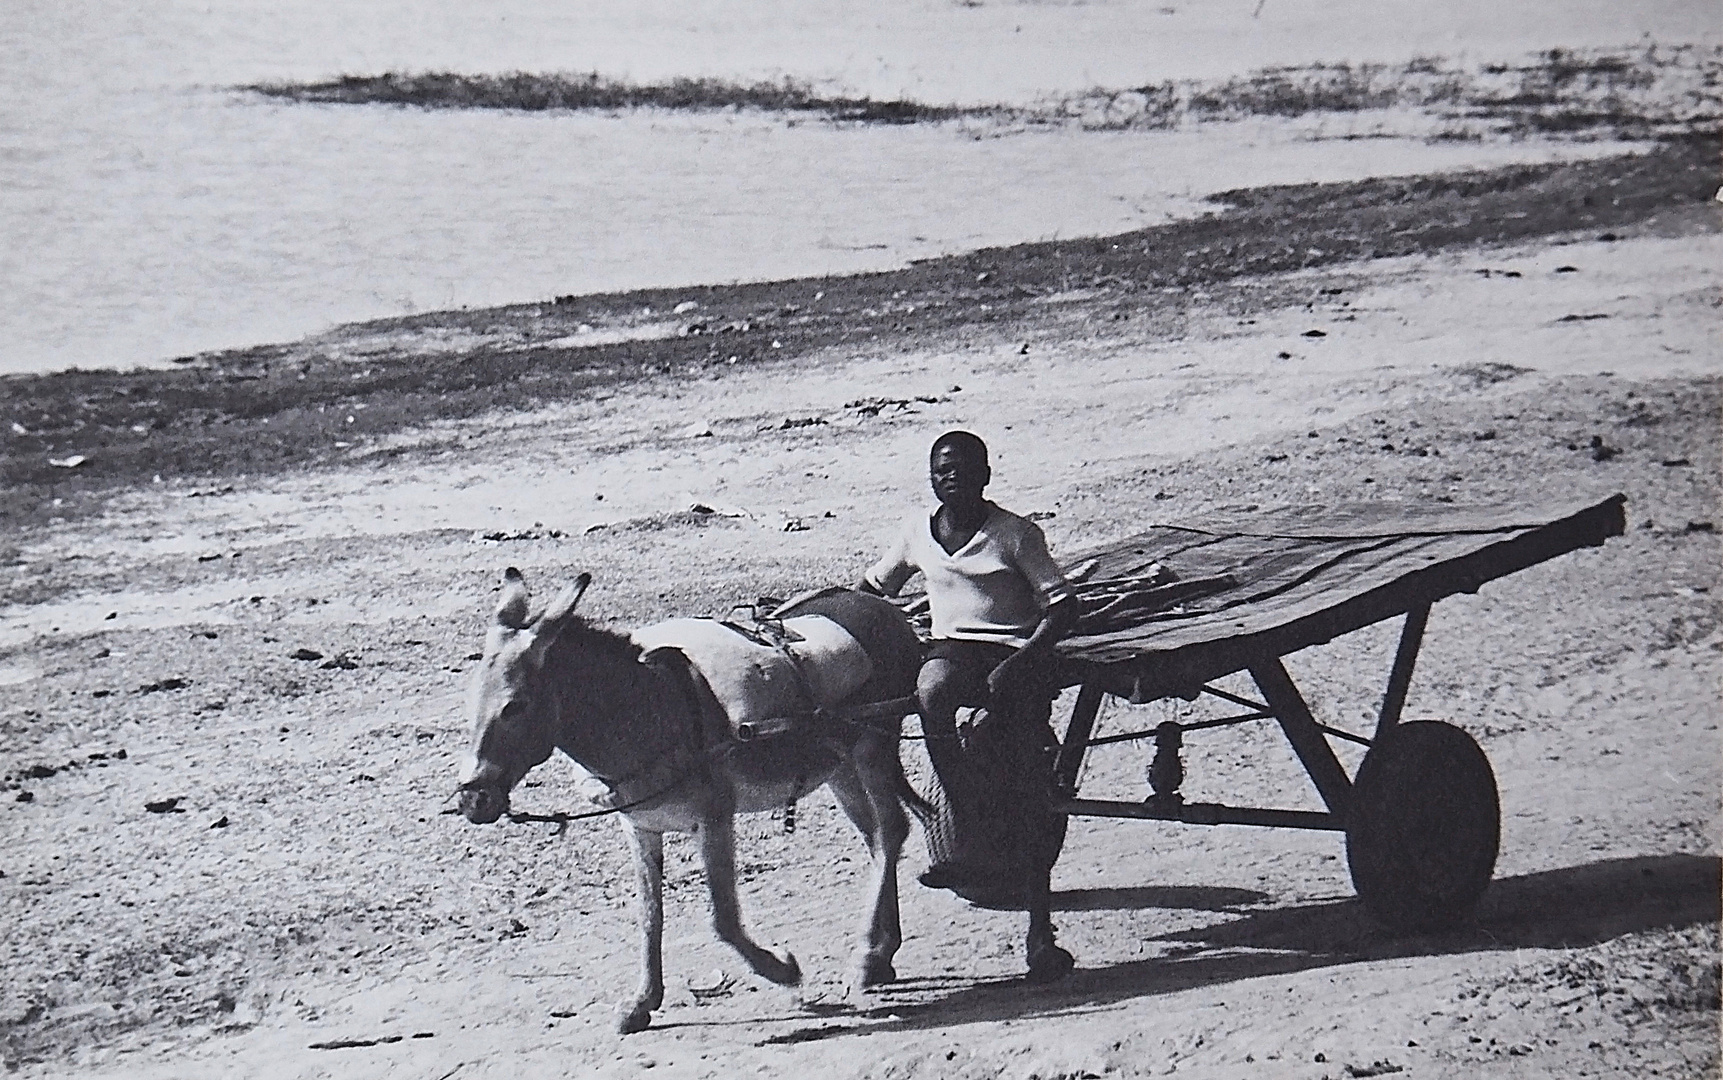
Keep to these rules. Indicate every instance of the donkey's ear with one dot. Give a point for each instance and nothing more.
(563, 606)
(512, 609)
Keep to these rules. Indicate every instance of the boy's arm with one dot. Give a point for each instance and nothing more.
(886, 577)
(1057, 621)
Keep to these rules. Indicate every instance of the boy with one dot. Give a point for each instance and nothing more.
(999, 603)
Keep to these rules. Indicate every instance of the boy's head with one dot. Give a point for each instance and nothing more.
(957, 466)
(964, 442)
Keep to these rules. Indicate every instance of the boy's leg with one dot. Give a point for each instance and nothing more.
(947, 683)
(1025, 705)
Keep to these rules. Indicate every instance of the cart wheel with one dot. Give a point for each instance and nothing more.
(1425, 826)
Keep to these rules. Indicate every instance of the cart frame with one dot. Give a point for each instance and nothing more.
(1308, 737)
(1187, 671)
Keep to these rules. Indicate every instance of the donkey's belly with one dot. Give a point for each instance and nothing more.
(758, 799)
(768, 773)
(685, 816)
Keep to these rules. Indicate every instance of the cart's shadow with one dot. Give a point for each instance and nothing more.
(1573, 906)
(1183, 897)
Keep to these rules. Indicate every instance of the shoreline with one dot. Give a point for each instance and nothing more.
(267, 409)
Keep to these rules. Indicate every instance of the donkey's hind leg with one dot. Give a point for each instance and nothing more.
(649, 894)
(867, 789)
(718, 851)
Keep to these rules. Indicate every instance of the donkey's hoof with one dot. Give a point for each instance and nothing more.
(875, 971)
(1048, 964)
(632, 1018)
(783, 970)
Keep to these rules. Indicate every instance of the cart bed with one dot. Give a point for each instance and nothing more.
(1273, 583)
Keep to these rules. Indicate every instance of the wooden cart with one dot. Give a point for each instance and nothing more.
(1172, 609)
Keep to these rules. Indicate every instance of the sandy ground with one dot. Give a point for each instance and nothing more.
(306, 890)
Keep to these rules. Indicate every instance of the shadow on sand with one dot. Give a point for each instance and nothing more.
(1573, 906)
(1172, 897)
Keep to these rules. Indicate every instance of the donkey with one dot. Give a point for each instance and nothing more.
(658, 740)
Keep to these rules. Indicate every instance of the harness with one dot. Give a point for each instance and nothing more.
(769, 630)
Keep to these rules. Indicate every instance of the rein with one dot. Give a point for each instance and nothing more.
(561, 818)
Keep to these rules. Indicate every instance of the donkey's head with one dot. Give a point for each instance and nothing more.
(514, 712)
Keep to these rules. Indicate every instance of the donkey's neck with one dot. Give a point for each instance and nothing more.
(618, 716)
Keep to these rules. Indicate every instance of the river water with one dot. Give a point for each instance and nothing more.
(149, 211)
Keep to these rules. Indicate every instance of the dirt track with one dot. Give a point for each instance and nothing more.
(305, 889)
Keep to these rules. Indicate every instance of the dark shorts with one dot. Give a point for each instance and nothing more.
(970, 664)
(968, 653)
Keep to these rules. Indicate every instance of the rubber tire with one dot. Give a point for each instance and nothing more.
(1424, 827)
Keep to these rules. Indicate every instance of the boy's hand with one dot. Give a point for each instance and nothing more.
(1004, 679)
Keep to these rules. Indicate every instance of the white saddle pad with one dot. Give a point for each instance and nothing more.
(755, 682)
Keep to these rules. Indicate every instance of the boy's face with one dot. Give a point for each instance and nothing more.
(956, 475)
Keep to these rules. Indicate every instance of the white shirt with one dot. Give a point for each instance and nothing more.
(993, 588)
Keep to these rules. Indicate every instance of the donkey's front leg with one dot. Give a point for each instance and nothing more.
(718, 850)
(649, 894)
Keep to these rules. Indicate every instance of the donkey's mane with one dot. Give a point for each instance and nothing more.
(610, 644)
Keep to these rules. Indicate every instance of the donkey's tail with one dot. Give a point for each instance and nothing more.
(924, 811)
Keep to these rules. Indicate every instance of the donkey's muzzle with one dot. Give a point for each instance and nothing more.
(481, 806)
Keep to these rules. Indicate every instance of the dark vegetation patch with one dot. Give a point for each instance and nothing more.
(1622, 94)
(278, 407)
(1630, 93)
(699, 517)
(594, 92)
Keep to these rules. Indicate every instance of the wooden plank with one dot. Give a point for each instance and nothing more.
(1262, 565)
(1325, 577)
(1255, 566)
(1132, 556)
(1211, 659)
(1340, 574)
(1365, 519)
(1336, 522)
(1076, 742)
(1300, 590)
(1199, 814)
(1261, 569)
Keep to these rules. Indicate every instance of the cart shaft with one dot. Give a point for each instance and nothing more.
(1199, 813)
